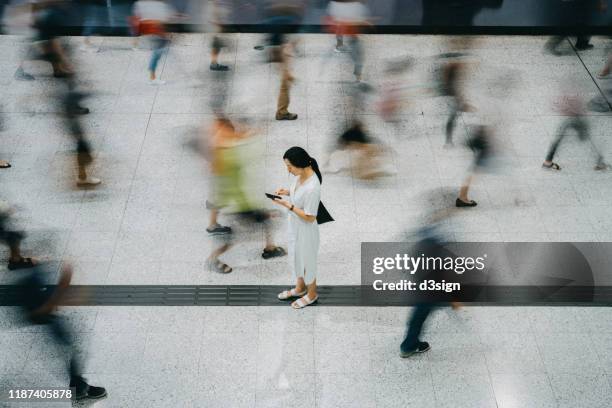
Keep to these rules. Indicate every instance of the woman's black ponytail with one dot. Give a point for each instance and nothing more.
(301, 159)
(315, 168)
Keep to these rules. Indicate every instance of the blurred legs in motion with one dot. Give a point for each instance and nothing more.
(480, 143)
(12, 239)
(40, 303)
(575, 16)
(366, 154)
(219, 11)
(282, 106)
(581, 127)
(431, 244)
(216, 47)
(339, 43)
(151, 18)
(451, 73)
(605, 71)
(72, 112)
(356, 51)
(227, 167)
(3, 163)
(412, 343)
(249, 218)
(160, 46)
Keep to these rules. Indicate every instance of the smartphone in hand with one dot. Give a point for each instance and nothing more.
(273, 197)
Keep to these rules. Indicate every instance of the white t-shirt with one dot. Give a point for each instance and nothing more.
(153, 10)
(348, 11)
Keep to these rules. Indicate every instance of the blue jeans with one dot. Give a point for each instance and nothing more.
(160, 45)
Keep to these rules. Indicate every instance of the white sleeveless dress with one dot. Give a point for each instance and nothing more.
(303, 236)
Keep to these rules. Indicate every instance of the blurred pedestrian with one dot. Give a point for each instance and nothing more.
(574, 17)
(229, 192)
(367, 154)
(282, 105)
(480, 142)
(347, 18)
(572, 107)
(84, 154)
(304, 198)
(12, 239)
(219, 11)
(3, 163)
(450, 79)
(152, 17)
(283, 17)
(431, 244)
(392, 93)
(48, 21)
(39, 304)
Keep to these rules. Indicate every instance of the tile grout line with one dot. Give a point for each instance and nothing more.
(127, 201)
(602, 93)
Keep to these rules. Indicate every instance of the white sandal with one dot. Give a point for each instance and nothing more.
(288, 294)
(303, 302)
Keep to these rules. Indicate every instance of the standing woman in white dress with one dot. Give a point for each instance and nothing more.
(303, 201)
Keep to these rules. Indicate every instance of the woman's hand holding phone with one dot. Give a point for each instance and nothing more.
(282, 192)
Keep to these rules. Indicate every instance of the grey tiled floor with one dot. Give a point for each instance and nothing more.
(326, 357)
(145, 225)
(148, 217)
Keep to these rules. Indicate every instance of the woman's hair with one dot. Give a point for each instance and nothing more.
(300, 158)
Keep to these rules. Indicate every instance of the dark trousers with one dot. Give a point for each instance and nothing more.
(452, 120)
(415, 325)
(60, 333)
(581, 127)
(72, 121)
(8, 237)
(61, 338)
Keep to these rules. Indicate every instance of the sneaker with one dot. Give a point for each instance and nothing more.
(92, 393)
(89, 181)
(86, 391)
(363, 87)
(422, 347)
(156, 81)
(218, 67)
(219, 230)
(286, 116)
(341, 48)
(460, 203)
(21, 75)
(601, 166)
(584, 47)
